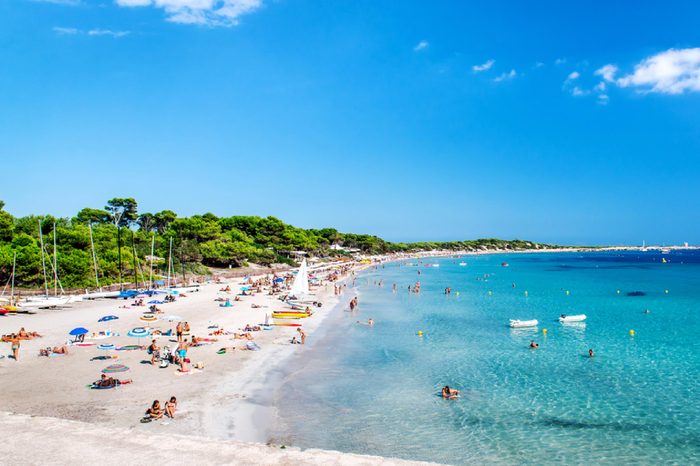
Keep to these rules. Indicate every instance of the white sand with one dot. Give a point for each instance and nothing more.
(211, 402)
(49, 441)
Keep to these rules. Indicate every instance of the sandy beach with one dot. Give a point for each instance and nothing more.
(214, 402)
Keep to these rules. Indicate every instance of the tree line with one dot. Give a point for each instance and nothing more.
(123, 239)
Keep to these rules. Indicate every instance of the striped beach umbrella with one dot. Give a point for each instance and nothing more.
(139, 332)
(148, 318)
(106, 347)
(113, 368)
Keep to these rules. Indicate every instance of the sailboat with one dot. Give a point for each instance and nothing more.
(299, 293)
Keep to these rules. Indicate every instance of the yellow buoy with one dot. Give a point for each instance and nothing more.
(631, 333)
(420, 333)
(544, 331)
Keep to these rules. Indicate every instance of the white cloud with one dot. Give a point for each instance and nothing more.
(578, 92)
(91, 32)
(607, 72)
(560, 61)
(484, 66)
(539, 64)
(600, 87)
(573, 76)
(65, 31)
(107, 32)
(59, 2)
(674, 71)
(422, 45)
(505, 76)
(224, 13)
(603, 99)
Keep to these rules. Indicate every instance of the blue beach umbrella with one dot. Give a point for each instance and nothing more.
(107, 318)
(106, 347)
(139, 332)
(78, 331)
(155, 301)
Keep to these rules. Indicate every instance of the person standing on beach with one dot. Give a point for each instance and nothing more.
(15, 346)
(178, 331)
(302, 335)
(182, 354)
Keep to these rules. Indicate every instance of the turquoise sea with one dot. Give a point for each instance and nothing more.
(375, 390)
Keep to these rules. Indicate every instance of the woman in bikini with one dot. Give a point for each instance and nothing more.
(170, 407)
(155, 411)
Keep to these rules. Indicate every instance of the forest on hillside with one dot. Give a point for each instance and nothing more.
(122, 239)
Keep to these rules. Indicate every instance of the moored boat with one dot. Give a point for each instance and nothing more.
(577, 318)
(516, 323)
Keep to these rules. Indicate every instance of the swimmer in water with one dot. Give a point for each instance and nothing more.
(647, 311)
(449, 393)
(534, 345)
(590, 353)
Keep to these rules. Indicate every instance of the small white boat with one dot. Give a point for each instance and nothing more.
(576, 318)
(462, 264)
(515, 323)
(435, 265)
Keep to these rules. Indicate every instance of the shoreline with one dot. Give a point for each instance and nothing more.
(225, 401)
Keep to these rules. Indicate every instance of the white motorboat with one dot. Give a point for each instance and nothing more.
(516, 323)
(577, 318)
(462, 264)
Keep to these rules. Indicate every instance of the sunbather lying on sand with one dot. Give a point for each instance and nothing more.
(105, 382)
(24, 335)
(255, 328)
(55, 350)
(242, 336)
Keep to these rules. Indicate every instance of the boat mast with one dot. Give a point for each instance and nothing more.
(133, 252)
(55, 263)
(43, 261)
(12, 293)
(153, 244)
(94, 257)
(170, 259)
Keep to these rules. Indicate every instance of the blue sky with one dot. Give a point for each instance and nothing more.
(552, 121)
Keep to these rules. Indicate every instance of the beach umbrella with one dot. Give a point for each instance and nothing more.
(148, 318)
(107, 318)
(171, 318)
(78, 331)
(113, 368)
(106, 347)
(155, 301)
(139, 332)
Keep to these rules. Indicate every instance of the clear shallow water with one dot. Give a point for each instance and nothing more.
(374, 390)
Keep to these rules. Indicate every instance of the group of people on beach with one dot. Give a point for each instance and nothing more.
(156, 411)
(15, 340)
